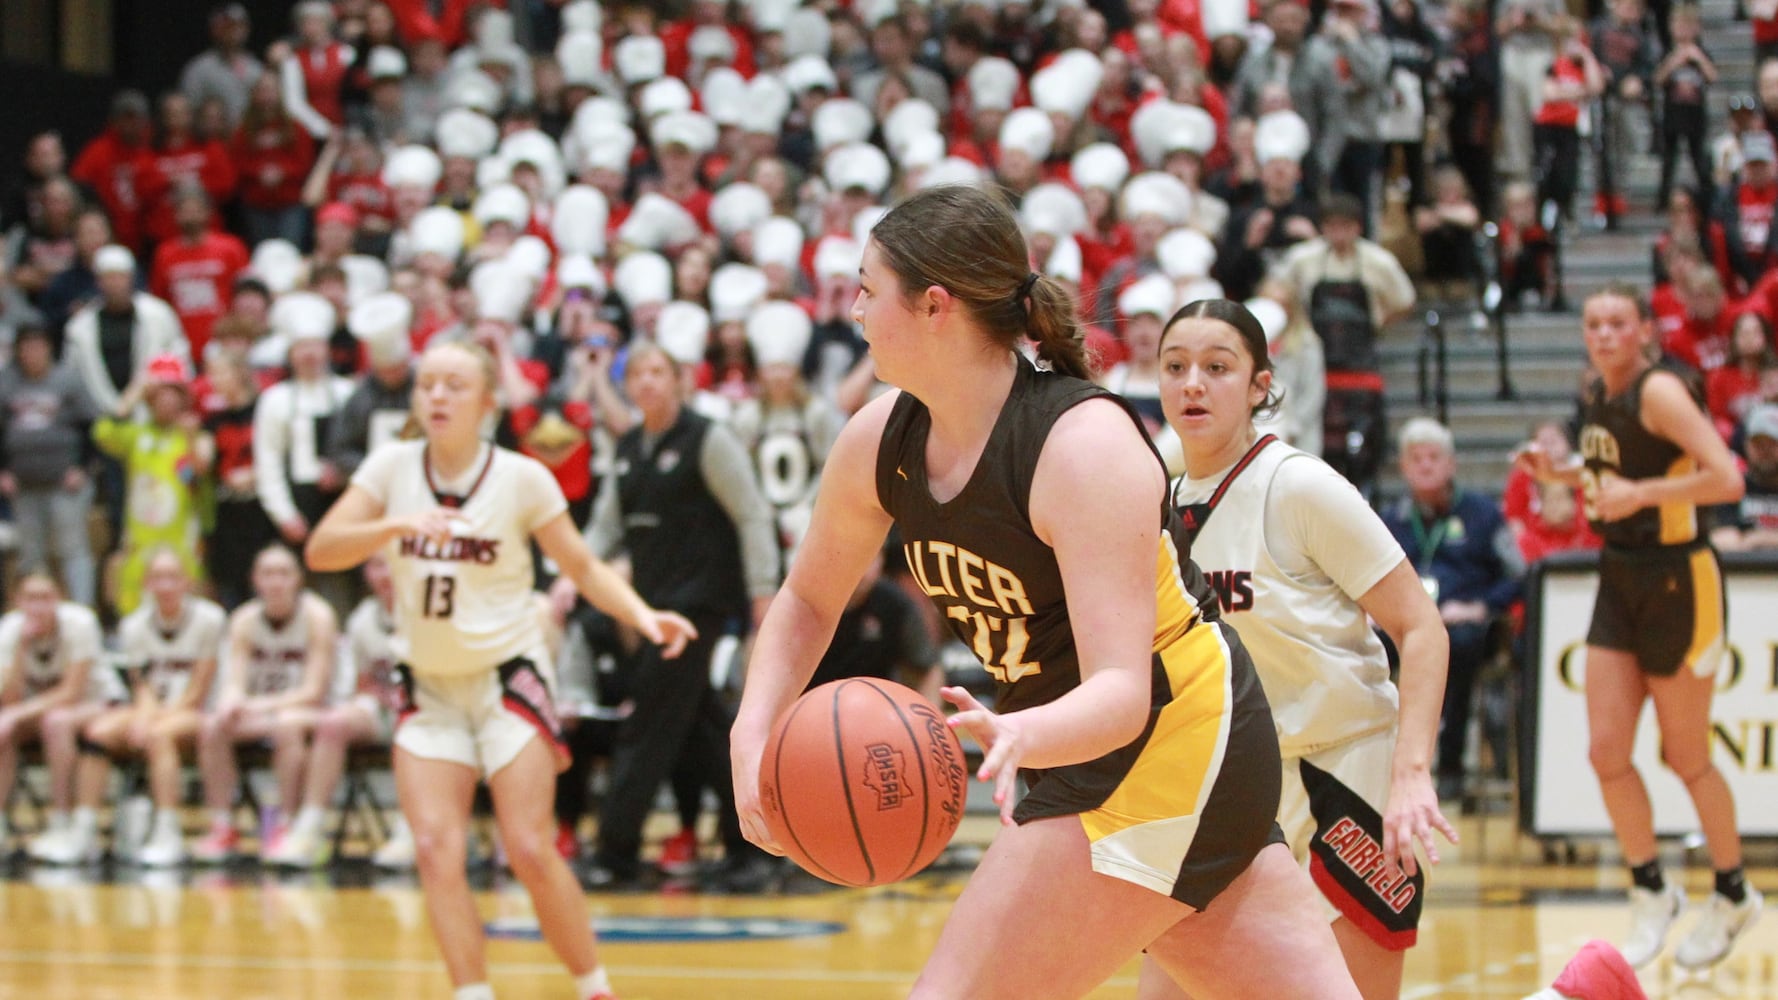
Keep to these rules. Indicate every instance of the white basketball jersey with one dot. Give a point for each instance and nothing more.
(370, 639)
(276, 651)
(164, 653)
(78, 639)
(1323, 669)
(464, 606)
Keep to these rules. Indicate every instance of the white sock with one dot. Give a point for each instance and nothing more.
(474, 991)
(166, 823)
(86, 820)
(594, 983)
(309, 820)
(58, 821)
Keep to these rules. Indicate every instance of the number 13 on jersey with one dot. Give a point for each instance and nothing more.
(440, 597)
(1007, 662)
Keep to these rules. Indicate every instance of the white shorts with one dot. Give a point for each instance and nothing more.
(481, 721)
(1331, 812)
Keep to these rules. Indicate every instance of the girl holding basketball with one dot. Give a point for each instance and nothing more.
(1302, 564)
(1133, 715)
(455, 517)
(1649, 457)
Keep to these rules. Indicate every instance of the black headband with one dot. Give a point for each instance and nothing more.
(1025, 286)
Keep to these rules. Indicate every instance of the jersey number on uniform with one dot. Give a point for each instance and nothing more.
(440, 599)
(1009, 664)
(1590, 484)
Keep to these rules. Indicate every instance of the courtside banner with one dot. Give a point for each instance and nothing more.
(1559, 795)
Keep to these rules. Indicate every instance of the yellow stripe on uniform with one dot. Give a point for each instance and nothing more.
(1707, 625)
(1175, 609)
(1679, 519)
(1176, 769)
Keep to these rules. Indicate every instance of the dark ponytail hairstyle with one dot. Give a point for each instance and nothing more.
(1253, 340)
(966, 241)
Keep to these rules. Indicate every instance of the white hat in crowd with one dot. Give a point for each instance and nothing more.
(1162, 195)
(114, 259)
(578, 219)
(857, 166)
(365, 276)
(1272, 317)
(723, 93)
(502, 291)
(1153, 295)
(437, 230)
(920, 151)
(606, 144)
(541, 152)
(768, 101)
(1185, 253)
(1280, 135)
(691, 129)
(466, 133)
(502, 203)
(1064, 261)
(865, 221)
(778, 241)
(779, 333)
(642, 278)
(583, 15)
(811, 72)
(1029, 131)
(473, 90)
(838, 257)
(909, 118)
(711, 43)
(639, 59)
(1223, 17)
(807, 33)
(771, 15)
(1161, 128)
(839, 121)
(382, 323)
(666, 95)
(734, 290)
(531, 256)
(303, 316)
(1100, 165)
(738, 207)
(278, 263)
(951, 170)
(1053, 209)
(581, 55)
(683, 331)
(412, 166)
(386, 63)
(577, 270)
(1067, 85)
(993, 84)
(657, 222)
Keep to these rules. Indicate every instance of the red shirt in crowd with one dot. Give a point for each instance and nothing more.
(1753, 217)
(676, 40)
(116, 173)
(273, 162)
(197, 279)
(1702, 343)
(1566, 69)
(365, 192)
(415, 19)
(1730, 391)
(324, 78)
(177, 164)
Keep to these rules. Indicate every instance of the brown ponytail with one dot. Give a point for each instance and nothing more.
(967, 241)
(1053, 325)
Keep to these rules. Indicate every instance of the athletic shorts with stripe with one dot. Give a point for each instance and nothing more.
(1666, 606)
(1185, 808)
(1332, 814)
(481, 721)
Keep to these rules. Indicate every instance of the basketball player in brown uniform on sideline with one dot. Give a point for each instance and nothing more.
(1649, 458)
(1131, 712)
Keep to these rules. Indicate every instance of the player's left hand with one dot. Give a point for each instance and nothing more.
(1618, 498)
(999, 739)
(668, 630)
(1412, 815)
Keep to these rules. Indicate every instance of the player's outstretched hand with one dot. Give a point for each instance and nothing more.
(434, 523)
(998, 736)
(1412, 815)
(668, 630)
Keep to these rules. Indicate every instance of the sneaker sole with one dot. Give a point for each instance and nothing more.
(1718, 958)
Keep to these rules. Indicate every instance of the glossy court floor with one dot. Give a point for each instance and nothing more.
(1499, 922)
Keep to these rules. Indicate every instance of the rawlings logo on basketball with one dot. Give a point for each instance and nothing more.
(883, 769)
(947, 764)
(1360, 852)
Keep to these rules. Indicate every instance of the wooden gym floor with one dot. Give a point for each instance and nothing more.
(1495, 928)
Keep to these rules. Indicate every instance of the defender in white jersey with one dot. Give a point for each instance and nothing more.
(455, 517)
(52, 681)
(1300, 565)
(168, 648)
(277, 667)
(367, 716)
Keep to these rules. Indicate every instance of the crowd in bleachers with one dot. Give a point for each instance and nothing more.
(212, 308)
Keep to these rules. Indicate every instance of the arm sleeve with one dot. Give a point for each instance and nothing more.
(1323, 518)
(729, 477)
(1395, 290)
(605, 529)
(296, 98)
(114, 436)
(348, 432)
(1369, 59)
(374, 474)
(271, 440)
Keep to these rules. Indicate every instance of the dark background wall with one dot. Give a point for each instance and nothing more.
(145, 44)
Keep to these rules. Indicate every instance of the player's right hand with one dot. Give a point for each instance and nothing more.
(434, 524)
(746, 753)
(668, 630)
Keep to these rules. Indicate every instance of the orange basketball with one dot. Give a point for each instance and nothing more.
(862, 783)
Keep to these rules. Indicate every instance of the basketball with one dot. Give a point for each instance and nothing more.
(862, 782)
